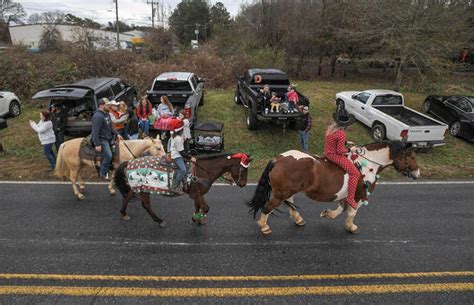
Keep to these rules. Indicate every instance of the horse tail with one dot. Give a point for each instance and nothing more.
(120, 179)
(61, 170)
(263, 191)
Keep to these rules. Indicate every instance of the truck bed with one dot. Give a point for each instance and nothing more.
(407, 116)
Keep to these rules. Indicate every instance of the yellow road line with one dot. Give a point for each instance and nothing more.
(307, 277)
(233, 292)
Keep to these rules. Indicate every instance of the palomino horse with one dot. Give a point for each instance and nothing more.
(207, 170)
(69, 163)
(321, 180)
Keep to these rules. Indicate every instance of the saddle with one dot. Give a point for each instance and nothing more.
(87, 152)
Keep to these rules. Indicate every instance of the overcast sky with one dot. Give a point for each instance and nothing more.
(130, 11)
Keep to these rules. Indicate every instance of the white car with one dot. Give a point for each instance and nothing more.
(384, 111)
(9, 104)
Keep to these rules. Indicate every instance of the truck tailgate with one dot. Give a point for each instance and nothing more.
(426, 133)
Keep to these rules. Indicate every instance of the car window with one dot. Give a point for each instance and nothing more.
(362, 97)
(107, 92)
(390, 100)
(178, 85)
(117, 88)
(464, 105)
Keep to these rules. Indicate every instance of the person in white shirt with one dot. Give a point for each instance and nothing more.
(45, 131)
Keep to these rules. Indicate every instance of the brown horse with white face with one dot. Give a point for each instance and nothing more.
(321, 180)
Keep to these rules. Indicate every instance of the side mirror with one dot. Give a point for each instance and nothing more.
(354, 96)
(200, 80)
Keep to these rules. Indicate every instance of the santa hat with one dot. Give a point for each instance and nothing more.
(176, 125)
(244, 159)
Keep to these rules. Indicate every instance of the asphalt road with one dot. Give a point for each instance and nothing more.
(415, 246)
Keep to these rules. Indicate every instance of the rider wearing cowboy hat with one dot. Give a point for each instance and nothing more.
(335, 150)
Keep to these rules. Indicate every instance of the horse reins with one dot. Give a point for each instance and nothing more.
(128, 148)
(230, 181)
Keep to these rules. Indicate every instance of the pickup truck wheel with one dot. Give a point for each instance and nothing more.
(237, 97)
(339, 104)
(378, 132)
(14, 109)
(455, 129)
(251, 120)
(201, 101)
(426, 106)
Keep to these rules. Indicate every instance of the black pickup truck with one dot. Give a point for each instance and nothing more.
(248, 93)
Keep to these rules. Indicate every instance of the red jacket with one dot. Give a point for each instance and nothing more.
(146, 113)
(293, 97)
(335, 143)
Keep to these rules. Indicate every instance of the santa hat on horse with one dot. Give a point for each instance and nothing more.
(244, 159)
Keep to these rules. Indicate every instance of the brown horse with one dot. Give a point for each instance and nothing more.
(321, 180)
(207, 170)
(69, 164)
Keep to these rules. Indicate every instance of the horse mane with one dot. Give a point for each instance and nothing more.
(395, 147)
(213, 156)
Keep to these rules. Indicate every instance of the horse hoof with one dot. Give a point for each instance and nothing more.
(112, 192)
(324, 214)
(266, 230)
(81, 197)
(301, 223)
(353, 230)
(82, 188)
(126, 217)
(162, 224)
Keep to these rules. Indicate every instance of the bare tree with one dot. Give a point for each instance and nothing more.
(9, 12)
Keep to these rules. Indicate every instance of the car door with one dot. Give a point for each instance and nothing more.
(359, 108)
(198, 89)
(452, 109)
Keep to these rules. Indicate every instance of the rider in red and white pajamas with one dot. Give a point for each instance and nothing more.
(335, 150)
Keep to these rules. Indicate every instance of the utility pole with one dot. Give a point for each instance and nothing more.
(117, 24)
(153, 3)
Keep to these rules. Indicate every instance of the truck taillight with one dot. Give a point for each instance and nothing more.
(187, 112)
(404, 134)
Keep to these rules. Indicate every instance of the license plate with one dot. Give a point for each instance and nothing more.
(422, 143)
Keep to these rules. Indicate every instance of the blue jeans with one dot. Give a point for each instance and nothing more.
(48, 151)
(144, 126)
(181, 169)
(107, 158)
(304, 137)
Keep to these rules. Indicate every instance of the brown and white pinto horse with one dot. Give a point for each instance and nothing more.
(321, 180)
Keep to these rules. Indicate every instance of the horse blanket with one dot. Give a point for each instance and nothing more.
(151, 175)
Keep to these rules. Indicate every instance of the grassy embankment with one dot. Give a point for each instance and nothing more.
(24, 158)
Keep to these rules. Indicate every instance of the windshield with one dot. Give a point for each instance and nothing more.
(388, 100)
(172, 86)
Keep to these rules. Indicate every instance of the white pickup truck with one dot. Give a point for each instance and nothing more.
(385, 113)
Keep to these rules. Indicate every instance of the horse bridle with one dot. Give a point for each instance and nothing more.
(223, 177)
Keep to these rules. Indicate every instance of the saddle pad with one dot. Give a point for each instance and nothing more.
(147, 175)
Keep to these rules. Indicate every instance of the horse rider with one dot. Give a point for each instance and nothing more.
(336, 151)
(178, 154)
(103, 135)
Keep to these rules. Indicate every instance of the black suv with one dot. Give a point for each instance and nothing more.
(80, 100)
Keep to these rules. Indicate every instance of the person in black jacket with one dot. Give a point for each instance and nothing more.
(59, 118)
(132, 124)
(103, 135)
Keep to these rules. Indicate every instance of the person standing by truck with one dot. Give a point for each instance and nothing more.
(44, 128)
(59, 119)
(119, 116)
(303, 133)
